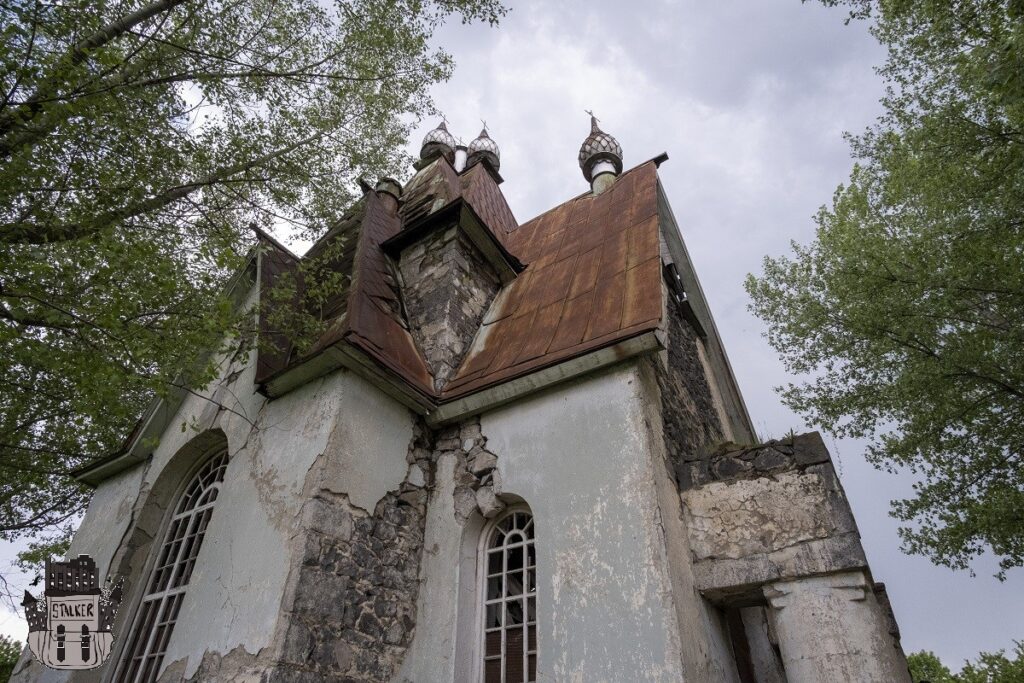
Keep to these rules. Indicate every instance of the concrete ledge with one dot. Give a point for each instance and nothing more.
(721, 579)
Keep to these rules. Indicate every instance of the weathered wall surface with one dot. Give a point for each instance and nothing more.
(351, 610)
(769, 525)
(290, 459)
(766, 513)
(831, 628)
(581, 458)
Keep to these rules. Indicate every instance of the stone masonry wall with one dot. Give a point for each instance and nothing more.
(688, 411)
(447, 287)
(353, 609)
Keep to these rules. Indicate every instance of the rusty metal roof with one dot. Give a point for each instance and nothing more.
(592, 279)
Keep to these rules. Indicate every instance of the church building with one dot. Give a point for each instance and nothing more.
(515, 452)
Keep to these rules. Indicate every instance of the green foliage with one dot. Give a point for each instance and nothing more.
(994, 668)
(925, 667)
(10, 650)
(990, 668)
(138, 140)
(905, 311)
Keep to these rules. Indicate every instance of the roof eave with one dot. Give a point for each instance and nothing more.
(490, 397)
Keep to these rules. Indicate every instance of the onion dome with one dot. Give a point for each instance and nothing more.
(438, 142)
(598, 147)
(484, 148)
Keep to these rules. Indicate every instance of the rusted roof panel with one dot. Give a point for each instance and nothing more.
(593, 279)
(275, 347)
(375, 323)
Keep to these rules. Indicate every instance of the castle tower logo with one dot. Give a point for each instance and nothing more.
(70, 627)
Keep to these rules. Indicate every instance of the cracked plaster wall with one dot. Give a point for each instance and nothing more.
(590, 463)
(760, 514)
(581, 457)
(359, 436)
(832, 628)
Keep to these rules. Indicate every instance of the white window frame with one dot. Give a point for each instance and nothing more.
(529, 593)
(191, 509)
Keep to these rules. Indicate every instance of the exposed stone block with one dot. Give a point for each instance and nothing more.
(483, 463)
(809, 449)
(489, 504)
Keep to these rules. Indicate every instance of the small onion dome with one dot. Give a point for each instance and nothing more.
(438, 142)
(598, 147)
(484, 148)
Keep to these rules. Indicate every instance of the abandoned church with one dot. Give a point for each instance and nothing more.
(516, 452)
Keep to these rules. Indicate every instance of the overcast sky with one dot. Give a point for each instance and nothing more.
(750, 101)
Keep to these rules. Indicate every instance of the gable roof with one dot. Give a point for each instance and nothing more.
(592, 279)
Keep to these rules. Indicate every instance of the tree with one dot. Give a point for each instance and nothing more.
(994, 668)
(925, 667)
(10, 650)
(138, 139)
(906, 309)
(990, 668)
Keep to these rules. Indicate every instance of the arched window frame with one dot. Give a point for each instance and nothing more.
(528, 599)
(156, 611)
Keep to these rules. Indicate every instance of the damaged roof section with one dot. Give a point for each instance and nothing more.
(361, 306)
(582, 277)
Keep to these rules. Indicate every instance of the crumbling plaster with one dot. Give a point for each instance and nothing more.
(245, 561)
(746, 517)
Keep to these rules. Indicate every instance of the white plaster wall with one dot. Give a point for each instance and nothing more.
(750, 516)
(433, 654)
(831, 628)
(107, 519)
(235, 594)
(583, 457)
(244, 563)
(578, 456)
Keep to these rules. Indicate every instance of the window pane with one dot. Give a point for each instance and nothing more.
(515, 558)
(153, 625)
(514, 656)
(492, 671)
(493, 618)
(510, 609)
(494, 587)
(494, 562)
(492, 644)
(514, 583)
(514, 612)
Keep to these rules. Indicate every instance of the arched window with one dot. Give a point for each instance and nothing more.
(509, 592)
(165, 589)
